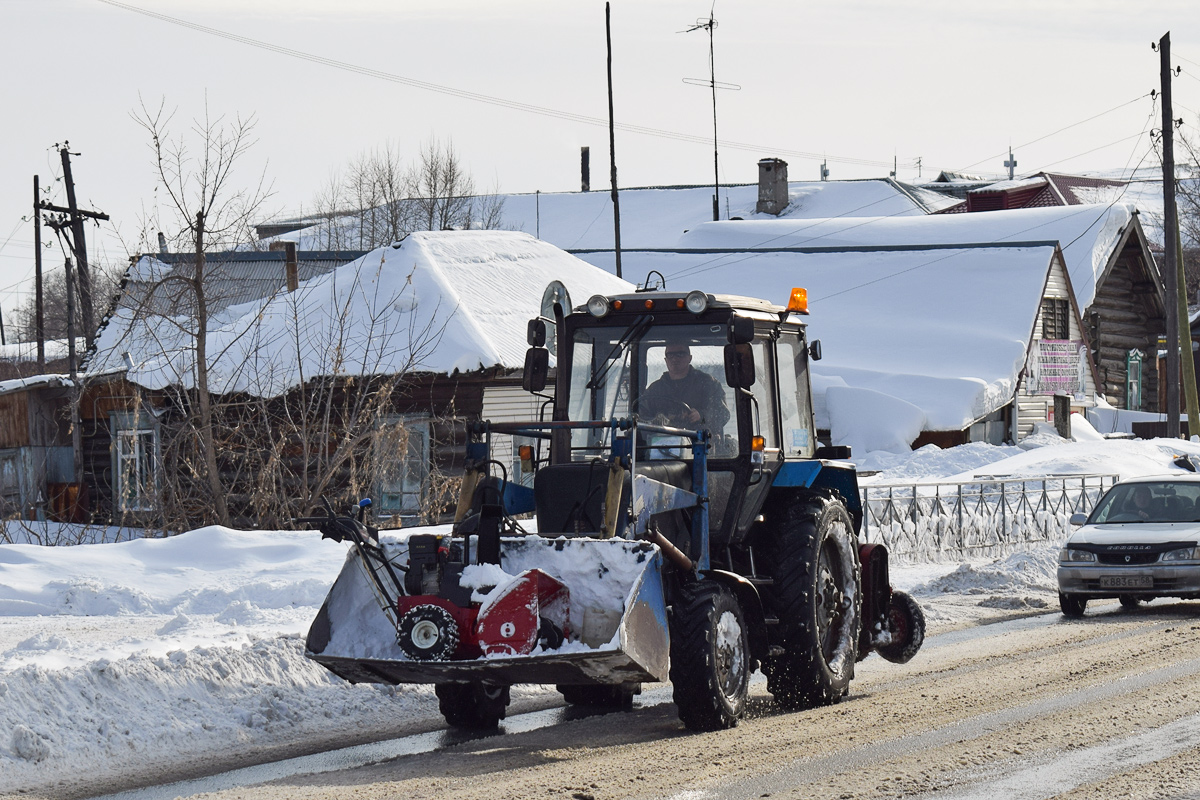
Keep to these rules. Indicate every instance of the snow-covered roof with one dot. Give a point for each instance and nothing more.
(656, 216)
(27, 351)
(436, 302)
(33, 382)
(1086, 233)
(1009, 185)
(939, 335)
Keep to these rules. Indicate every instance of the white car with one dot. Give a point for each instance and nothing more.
(1141, 541)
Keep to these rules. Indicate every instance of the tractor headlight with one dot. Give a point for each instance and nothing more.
(1071, 554)
(1182, 554)
(597, 306)
(696, 302)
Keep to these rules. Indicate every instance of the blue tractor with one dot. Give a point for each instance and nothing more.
(689, 527)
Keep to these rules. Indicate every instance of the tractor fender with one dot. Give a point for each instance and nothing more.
(752, 608)
(837, 476)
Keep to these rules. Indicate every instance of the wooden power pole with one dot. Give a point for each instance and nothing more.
(39, 309)
(74, 217)
(1170, 269)
(612, 145)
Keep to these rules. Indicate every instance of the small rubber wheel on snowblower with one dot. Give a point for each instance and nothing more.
(906, 624)
(427, 633)
(476, 706)
(1072, 605)
(600, 695)
(710, 657)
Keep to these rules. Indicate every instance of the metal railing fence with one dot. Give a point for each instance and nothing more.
(935, 521)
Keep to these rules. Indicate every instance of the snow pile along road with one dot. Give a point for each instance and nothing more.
(122, 664)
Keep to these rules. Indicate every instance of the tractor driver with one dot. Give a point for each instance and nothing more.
(686, 396)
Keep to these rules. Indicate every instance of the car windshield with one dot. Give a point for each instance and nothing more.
(1159, 501)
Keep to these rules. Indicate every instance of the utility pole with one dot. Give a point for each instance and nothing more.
(1011, 164)
(74, 219)
(1170, 221)
(39, 309)
(710, 25)
(72, 368)
(612, 145)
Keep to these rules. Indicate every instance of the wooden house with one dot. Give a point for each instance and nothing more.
(944, 344)
(360, 380)
(36, 461)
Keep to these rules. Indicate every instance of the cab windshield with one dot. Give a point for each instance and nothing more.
(1161, 501)
(670, 375)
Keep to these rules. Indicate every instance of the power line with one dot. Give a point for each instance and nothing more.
(1048, 135)
(718, 261)
(484, 98)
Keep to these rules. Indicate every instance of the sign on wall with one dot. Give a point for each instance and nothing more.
(1058, 366)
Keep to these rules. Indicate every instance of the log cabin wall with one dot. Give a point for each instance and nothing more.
(446, 403)
(1126, 314)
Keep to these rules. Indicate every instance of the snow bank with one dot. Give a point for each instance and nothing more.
(127, 660)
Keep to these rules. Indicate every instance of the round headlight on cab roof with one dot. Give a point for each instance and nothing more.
(696, 302)
(597, 306)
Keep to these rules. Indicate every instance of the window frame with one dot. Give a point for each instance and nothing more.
(137, 427)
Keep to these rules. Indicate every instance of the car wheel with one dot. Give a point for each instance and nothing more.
(1130, 601)
(1072, 605)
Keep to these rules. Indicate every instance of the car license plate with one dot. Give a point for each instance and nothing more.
(1126, 582)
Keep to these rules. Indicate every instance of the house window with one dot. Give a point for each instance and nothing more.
(1056, 321)
(10, 480)
(402, 465)
(135, 467)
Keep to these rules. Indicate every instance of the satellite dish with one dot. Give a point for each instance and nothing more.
(555, 293)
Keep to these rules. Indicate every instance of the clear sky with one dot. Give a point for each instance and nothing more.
(861, 82)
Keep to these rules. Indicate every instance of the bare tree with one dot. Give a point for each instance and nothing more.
(207, 210)
(54, 290)
(377, 201)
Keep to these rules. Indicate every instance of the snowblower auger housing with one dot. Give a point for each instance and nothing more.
(689, 528)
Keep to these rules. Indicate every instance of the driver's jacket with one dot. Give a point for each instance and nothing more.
(697, 389)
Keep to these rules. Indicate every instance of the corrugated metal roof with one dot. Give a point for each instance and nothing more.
(231, 278)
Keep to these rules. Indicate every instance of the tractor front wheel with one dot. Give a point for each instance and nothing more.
(473, 706)
(710, 658)
(818, 600)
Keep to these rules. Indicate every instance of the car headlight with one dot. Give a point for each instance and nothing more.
(1182, 554)
(1071, 554)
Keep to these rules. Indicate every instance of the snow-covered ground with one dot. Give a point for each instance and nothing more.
(152, 654)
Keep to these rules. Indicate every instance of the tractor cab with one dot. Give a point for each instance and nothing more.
(735, 368)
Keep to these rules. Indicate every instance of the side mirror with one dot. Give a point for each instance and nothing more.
(814, 350)
(739, 365)
(535, 333)
(1078, 519)
(537, 367)
(741, 330)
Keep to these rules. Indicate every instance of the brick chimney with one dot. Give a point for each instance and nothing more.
(772, 186)
(291, 264)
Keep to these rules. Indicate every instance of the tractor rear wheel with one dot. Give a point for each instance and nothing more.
(817, 598)
(473, 706)
(710, 657)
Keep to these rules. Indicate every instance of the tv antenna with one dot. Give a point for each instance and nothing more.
(710, 25)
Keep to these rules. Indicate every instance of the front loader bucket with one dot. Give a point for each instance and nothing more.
(617, 631)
